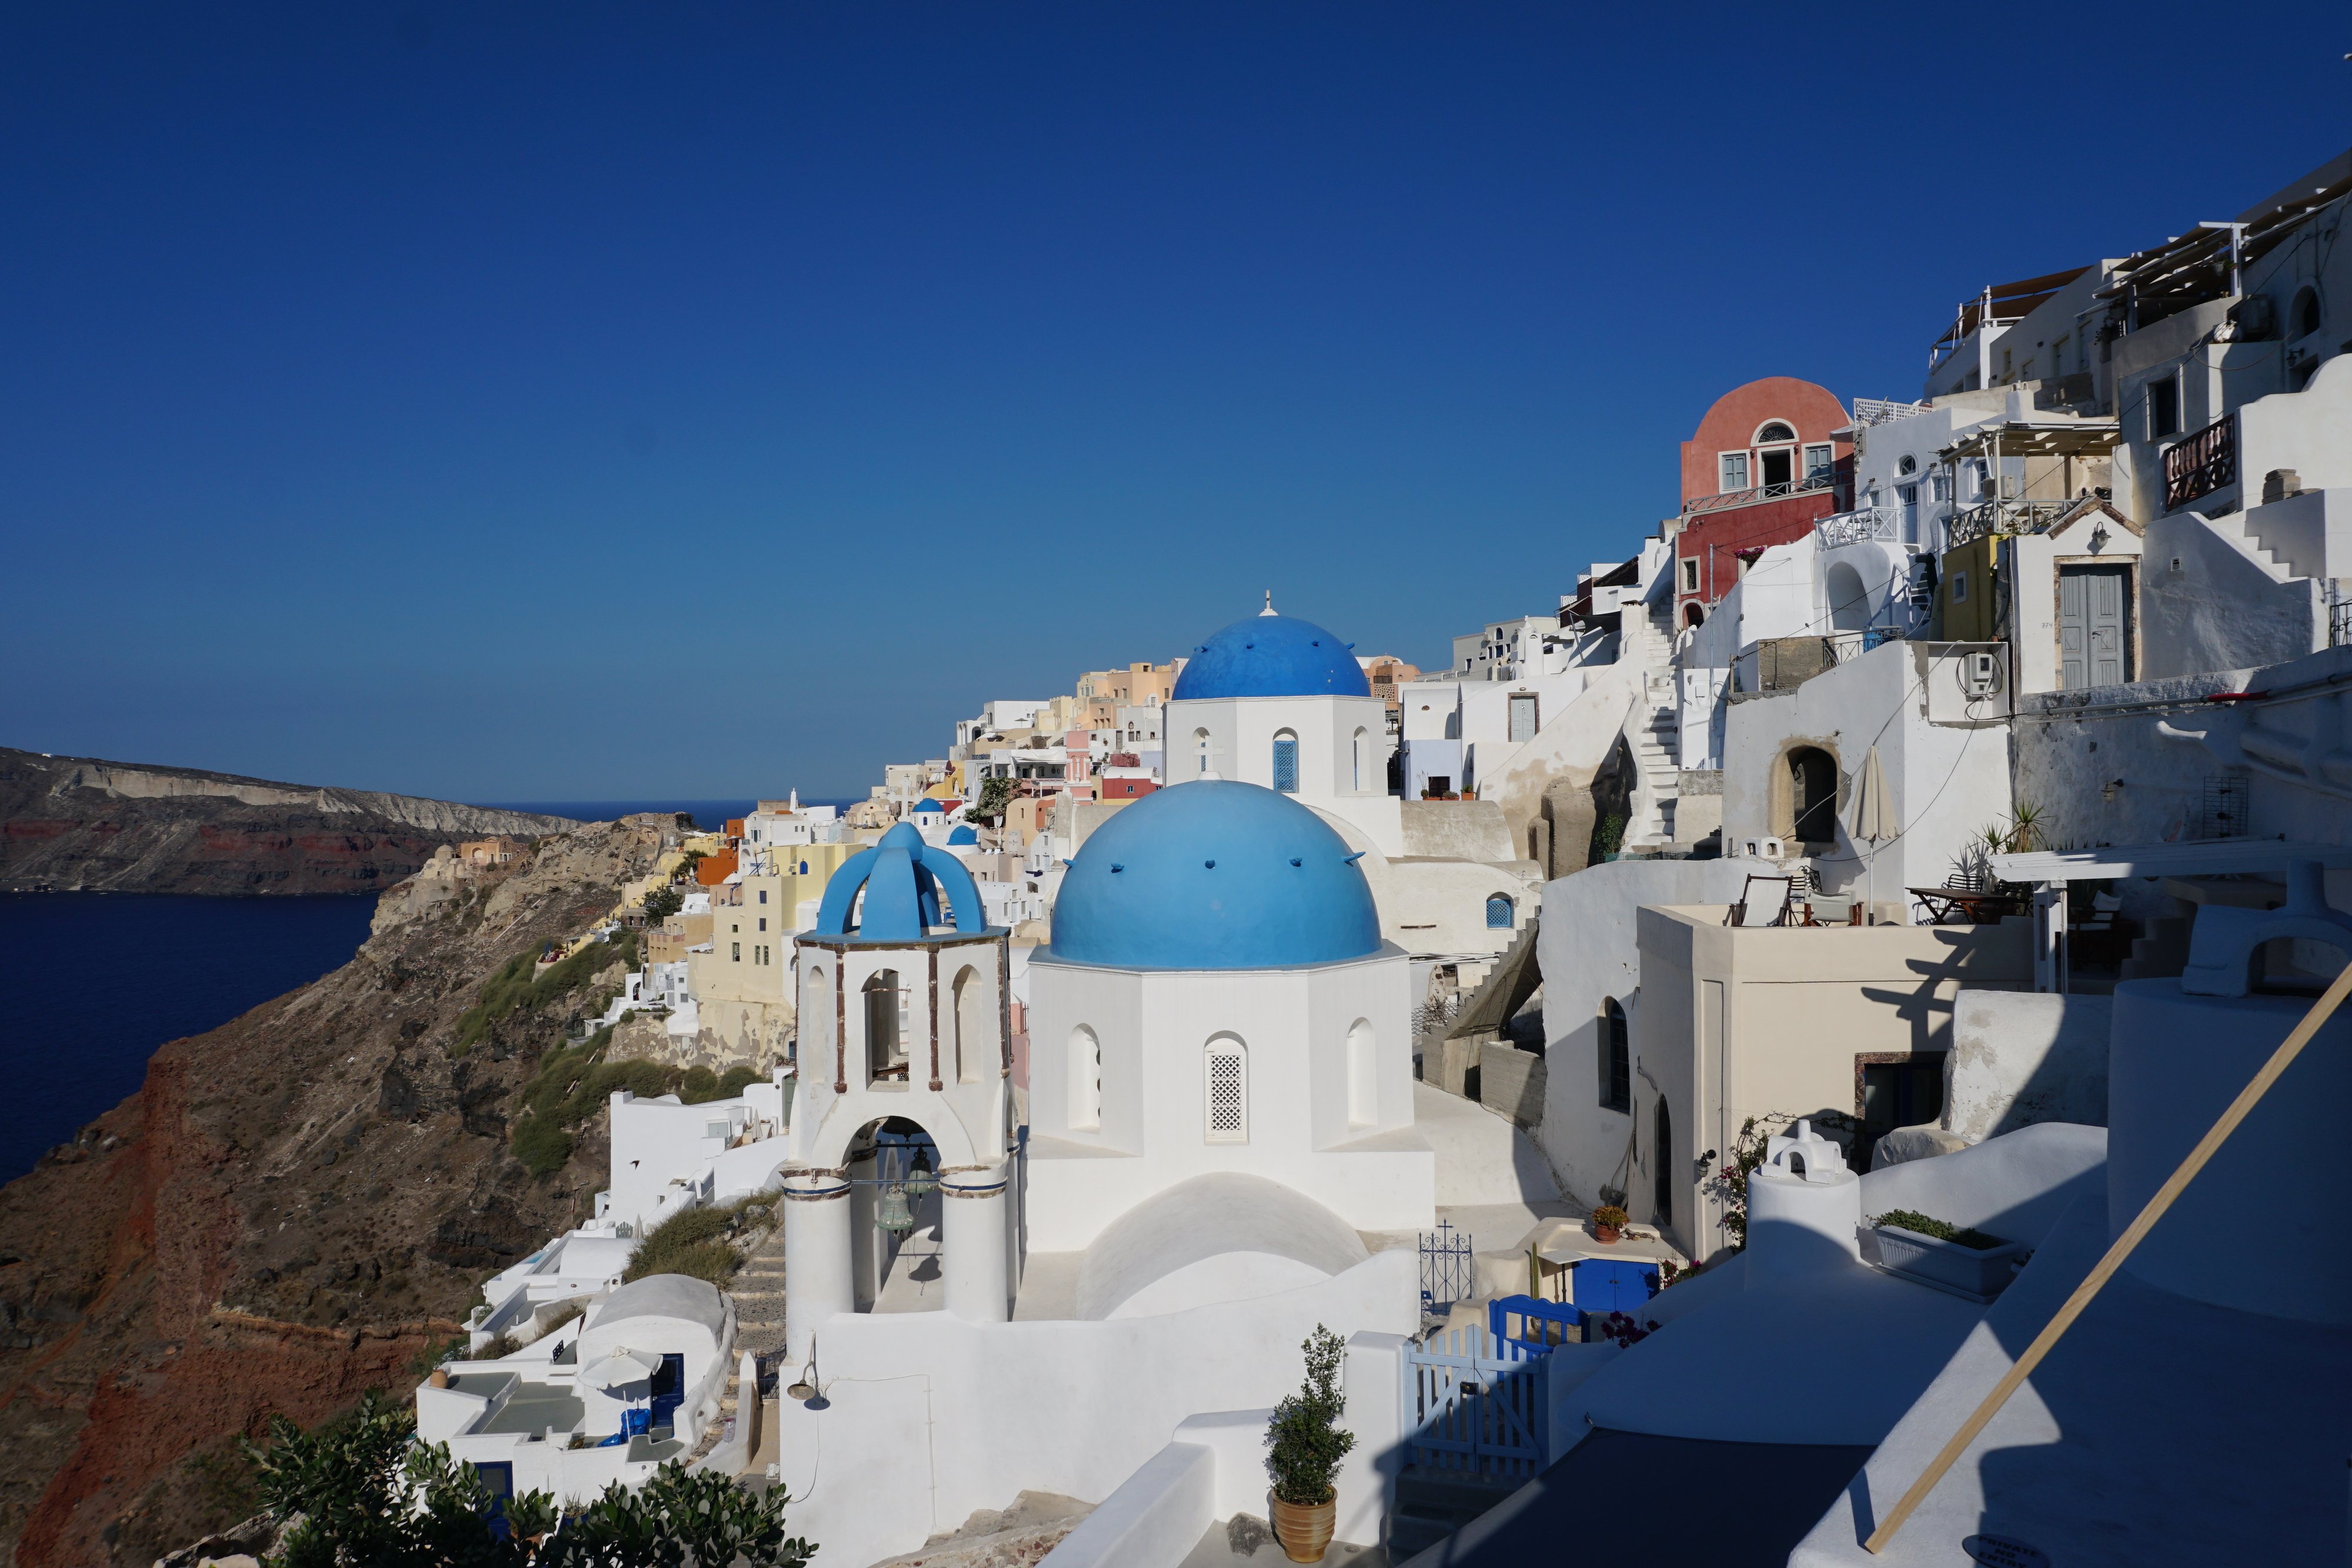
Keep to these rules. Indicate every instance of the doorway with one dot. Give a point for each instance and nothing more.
(2093, 626)
(669, 1389)
(1780, 467)
(1662, 1160)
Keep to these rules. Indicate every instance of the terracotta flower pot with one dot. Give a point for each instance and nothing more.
(1605, 1233)
(1305, 1530)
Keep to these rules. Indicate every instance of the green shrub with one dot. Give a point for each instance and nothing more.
(1941, 1230)
(699, 1084)
(542, 1145)
(698, 1242)
(1305, 1442)
(735, 1078)
(512, 990)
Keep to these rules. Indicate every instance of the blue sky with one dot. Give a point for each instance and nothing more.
(582, 402)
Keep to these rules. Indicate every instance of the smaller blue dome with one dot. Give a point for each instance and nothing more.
(961, 834)
(902, 878)
(1272, 656)
(1214, 875)
(926, 804)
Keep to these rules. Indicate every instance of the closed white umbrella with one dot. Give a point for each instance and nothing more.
(620, 1369)
(1873, 814)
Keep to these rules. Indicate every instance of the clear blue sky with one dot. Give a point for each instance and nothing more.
(580, 401)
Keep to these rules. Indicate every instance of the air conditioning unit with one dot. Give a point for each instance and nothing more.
(1981, 674)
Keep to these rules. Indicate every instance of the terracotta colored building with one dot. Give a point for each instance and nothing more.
(1768, 461)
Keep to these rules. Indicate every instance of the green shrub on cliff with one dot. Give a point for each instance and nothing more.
(512, 990)
(542, 1145)
(699, 1241)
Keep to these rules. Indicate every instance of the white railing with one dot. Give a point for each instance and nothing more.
(1860, 526)
(1879, 410)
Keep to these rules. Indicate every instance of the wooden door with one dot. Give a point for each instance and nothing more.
(2093, 626)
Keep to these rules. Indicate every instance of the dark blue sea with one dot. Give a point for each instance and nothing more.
(108, 977)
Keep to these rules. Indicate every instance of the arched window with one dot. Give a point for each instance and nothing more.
(973, 1022)
(1812, 796)
(1661, 1160)
(816, 1009)
(1356, 773)
(1774, 431)
(1364, 1078)
(1286, 762)
(1201, 745)
(886, 1018)
(1498, 912)
(1615, 1057)
(1849, 600)
(1225, 1089)
(1085, 1078)
(804, 868)
(2303, 319)
(1907, 463)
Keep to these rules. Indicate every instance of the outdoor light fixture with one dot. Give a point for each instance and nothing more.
(805, 1389)
(2107, 790)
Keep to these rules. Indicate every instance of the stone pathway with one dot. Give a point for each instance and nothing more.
(759, 1292)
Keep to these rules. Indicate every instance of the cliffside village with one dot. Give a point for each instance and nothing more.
(1688, 1047)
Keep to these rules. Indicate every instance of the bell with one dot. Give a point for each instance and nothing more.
(892, 1214)
(922, 1183)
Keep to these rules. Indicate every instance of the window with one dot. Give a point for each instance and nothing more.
(1201, 745)
(1812, 796)
(763, 919)
(1817, 463)
(1959, 588)
(1355, 763)
(1498, 912)
(1690, 575)
(2058, 358)
(886, 1021)
(736, 955)
(971, 1024)
(1085, 1078)
(1523, 716)
(804, 868)
(2303, 319)
(1939, 486)
(1735, 471)
(764, 898)
(1227, 1085)
(1363, 1078)
(1615, 1057)
(2163, 407)
(1662, 1160)
(1286, 763)
(1897, 1090)
(1774, 431)
(1907, 463)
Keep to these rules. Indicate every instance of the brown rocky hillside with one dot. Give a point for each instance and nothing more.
(286, 1212)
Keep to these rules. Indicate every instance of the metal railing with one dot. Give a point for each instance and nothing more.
(1820, 481)
(2006, 517)
(2339, 623)
(2202, 464)
(1860, 526)
(1880, 411)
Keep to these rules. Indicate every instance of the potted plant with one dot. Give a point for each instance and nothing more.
(1937, 1252)
(1304, 1445)
(1609, 1222)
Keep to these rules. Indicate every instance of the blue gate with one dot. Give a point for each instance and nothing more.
(1446, 1272)
(1471, 1408)
(1525, 1327)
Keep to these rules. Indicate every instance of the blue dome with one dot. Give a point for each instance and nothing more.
(961, 834)
(1272, 656)
(1214, 875)
(902, 878)
(927, 804)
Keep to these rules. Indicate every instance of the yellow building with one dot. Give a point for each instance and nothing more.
(741, 982)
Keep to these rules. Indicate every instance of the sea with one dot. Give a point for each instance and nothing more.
(104, 979)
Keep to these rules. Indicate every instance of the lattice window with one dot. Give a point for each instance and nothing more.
(1285, 763)
(1228, 1092)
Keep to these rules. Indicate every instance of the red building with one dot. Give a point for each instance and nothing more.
(1769, 460)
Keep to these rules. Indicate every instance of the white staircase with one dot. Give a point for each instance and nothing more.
(1654, 728)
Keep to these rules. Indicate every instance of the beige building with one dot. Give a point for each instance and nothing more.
(668, 942)
(1846, 1024)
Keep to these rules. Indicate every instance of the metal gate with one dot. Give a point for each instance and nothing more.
(1446, 1267)
(1472, 1409)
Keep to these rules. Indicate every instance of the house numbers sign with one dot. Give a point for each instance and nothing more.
(2002, 1552)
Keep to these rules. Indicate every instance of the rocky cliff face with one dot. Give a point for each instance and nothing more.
(286, 1212)
(76, 823)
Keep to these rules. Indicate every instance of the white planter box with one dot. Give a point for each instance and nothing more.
(1983, 1274)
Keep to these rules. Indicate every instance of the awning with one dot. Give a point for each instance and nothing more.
(2038, 438)
(2208, 857)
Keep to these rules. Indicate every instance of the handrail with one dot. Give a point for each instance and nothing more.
(1820, 481)
(2011, 516)
(1880, 410)
(1860, 526)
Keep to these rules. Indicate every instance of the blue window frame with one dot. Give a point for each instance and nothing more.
(1286, 766)
(1498, 913)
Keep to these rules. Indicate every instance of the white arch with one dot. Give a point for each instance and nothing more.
(970, 1024)
(1849, 600)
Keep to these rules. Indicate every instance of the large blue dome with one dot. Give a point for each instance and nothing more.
(1272, 656)
(1214, 875)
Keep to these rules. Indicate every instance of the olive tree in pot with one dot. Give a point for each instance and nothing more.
(1304, 1446)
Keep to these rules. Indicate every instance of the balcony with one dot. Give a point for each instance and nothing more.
(1822, 480)
(2206, 462)
(2012, 516)
(1862, 526)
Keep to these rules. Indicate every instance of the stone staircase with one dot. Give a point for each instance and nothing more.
(1433, 1504)
(1655, 728)
(2234, 530)
(758, 1289)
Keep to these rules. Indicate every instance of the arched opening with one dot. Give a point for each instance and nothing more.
(816, 1007)
(974, 1018)
(1086, 1079)
(1694, 614)
(1810, 781)
(896, 1248)
(886, 1026)
(1201, 747)
(2303, 318)
(1849, 600)
(1286, 762)
(1773, 431)
(1498, 912)
(1615, 1057)
(1661, 1160)
(1357, 750)
(1363, 1080)
(2293, 966)
(1226, 1090)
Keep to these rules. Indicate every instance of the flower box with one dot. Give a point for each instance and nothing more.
(1946, 1264)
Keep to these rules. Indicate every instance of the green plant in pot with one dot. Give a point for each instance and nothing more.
(1609, 1222)
(1304, 1446)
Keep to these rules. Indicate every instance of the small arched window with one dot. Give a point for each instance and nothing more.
(1907, 463)
(804, 868)
(1201, 745)
(1356, 773)
(1364, 1078)
(1085, 1078)
(971, 1024)
(1615, 1057)
(1812, 796)
(1286, 763)
(1774, 431)
(1225, 1084)
(1498, 912)
(885, 1019)
(2303, 319)
(1662, 1161)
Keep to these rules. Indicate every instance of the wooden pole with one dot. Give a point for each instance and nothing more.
(2292, 1046)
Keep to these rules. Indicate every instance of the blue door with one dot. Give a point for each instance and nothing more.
(1613, 1284)
(668, 1391)
(498, 1476)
